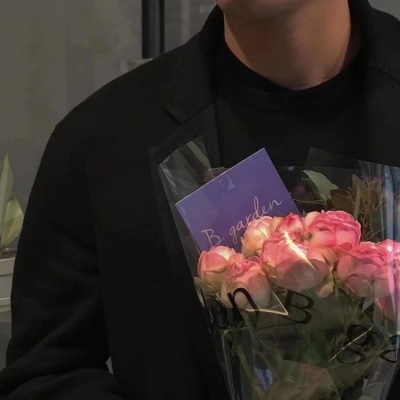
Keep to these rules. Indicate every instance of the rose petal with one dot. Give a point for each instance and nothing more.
(271, 250)
(293, 225)
(236, 258)
(257, 287)
(213, 279)
(347, 235)
(340, 216)
(323, 237)
(223, 251)
(214, 262)
(310, 217)
(301, 275)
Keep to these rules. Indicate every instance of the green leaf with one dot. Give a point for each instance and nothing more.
(342, 203)
(6, 190)
(339, 191)
(13, 221)
(323, 185)
(242, 356)
(357, 203)
(368, 195)
(378, 226)
(311, 202)
(360, 184)
(199, 153)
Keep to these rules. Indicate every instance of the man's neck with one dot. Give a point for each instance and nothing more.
(299, 50)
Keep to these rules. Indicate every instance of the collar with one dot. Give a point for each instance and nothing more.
(190, 85)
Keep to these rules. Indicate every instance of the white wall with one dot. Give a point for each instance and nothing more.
(184, 18)
(54, 53)
(391, 6)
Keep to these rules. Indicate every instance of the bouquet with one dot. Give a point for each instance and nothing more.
(303, 304)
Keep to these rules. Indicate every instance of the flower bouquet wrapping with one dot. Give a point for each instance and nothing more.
(302, 292)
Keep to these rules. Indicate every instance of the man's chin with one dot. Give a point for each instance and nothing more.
(258, 9)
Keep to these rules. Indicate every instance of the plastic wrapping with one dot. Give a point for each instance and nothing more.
(312, 311)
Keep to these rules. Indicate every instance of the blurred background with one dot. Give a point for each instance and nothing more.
(56, 53)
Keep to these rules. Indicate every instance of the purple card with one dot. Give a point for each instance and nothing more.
(219, 212)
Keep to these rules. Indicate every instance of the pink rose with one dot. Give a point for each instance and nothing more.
(246, 274)
(390, 305)
(391, 249)
(334, 229)
(256, 233)
(364, 271)
(295, 265)
(213, 264)
(294, 225)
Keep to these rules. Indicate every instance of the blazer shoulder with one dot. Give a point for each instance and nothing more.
(141, 92)
(386, 18)
(387, 31)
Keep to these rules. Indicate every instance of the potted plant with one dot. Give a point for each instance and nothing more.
(11, 219)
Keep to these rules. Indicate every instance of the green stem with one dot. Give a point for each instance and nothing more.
(242, 356)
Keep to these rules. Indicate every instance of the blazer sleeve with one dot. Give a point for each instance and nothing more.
(58, 349)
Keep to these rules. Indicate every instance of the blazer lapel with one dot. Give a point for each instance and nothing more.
(189, 101)
(190, 104)
(202, 125)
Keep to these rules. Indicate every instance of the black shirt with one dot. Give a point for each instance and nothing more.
(253, 112)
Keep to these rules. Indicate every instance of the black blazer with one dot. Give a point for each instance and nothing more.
(100, 270)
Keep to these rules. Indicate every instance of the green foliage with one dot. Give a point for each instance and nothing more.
(11, 214)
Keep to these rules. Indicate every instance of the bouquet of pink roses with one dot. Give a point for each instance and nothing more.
(317, 252)
(305, 305)
(319, 256)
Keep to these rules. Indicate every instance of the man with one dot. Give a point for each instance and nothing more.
(100, 269)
